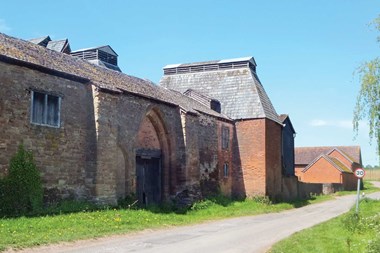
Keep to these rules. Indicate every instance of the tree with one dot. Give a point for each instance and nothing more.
(368, 100)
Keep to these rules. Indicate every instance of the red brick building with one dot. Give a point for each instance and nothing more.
(258, 152)
(328, 165)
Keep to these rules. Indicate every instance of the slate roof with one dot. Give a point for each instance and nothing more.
(103, 78)
(232, 82)
(42, 41)
(59, 45)
(305, 155)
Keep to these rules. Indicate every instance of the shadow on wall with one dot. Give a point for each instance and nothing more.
(238, 187)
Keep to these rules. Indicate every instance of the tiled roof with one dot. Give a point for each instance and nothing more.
(283, 117)
(42, 41)
(305, 155)
(57, 45)
(333, 161)
(99, 76)
(239, 90)
(340, 165)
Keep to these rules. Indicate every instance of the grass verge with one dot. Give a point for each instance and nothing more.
(346, 233)
(368, 188)
(33, 231)
(75, 221)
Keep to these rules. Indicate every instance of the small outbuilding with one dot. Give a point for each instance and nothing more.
(324, 165)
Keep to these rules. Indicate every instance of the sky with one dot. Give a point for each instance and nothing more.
(307, 51)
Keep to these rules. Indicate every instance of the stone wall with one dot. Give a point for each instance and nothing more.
(120, 117)
(63, 155)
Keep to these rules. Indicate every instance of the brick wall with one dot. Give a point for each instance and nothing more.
(251, 145)
(225, 157)
(92, 155)
(322, 172)
(259, 143)
(273, 159)
(298, 170)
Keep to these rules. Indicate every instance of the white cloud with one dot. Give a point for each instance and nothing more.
(318, 122)
(331, 123)
(3, 26)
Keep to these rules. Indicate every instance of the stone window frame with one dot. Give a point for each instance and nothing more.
(226, 170)
(50, 115)
(225, 137)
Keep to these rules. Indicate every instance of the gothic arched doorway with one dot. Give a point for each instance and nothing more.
(151, 146)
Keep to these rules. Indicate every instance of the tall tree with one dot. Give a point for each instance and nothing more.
(368, 100)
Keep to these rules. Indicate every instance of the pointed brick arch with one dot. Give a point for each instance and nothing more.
(153, 138)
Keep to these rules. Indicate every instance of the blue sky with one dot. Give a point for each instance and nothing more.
(306, 51)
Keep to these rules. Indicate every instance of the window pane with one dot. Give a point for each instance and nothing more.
(38, 107)
(225, 168)
(45, 109)
(225, 137)
(52, 110)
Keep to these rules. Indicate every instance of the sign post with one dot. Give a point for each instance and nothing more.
(359, 173)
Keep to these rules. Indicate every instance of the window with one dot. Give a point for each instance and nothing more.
(225, 170)
(225, 137)
(45, 109)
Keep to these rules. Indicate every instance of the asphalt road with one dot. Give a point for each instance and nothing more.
(245, 234)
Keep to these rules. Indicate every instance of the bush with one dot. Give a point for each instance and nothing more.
(21, 191)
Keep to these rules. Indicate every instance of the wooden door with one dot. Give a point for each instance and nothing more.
(148, 171)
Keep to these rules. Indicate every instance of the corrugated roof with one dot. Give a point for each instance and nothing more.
(99, 76)
(305, 155)
(239, 91)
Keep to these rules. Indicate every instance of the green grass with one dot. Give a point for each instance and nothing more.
(74, 221)
(368, 188)
(346, 233)
(31, 231)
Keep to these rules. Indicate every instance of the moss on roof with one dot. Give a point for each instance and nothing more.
(99, 76)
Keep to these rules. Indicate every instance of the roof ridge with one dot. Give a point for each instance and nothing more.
(340, 151)
(329, 160)
(313, 162)
(268, 109)
(338, 166)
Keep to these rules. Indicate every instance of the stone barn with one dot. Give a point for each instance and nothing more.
(101, 135)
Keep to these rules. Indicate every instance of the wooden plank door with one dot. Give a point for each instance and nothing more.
(148, 171)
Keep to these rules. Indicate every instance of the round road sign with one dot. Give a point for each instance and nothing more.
(359, 173)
